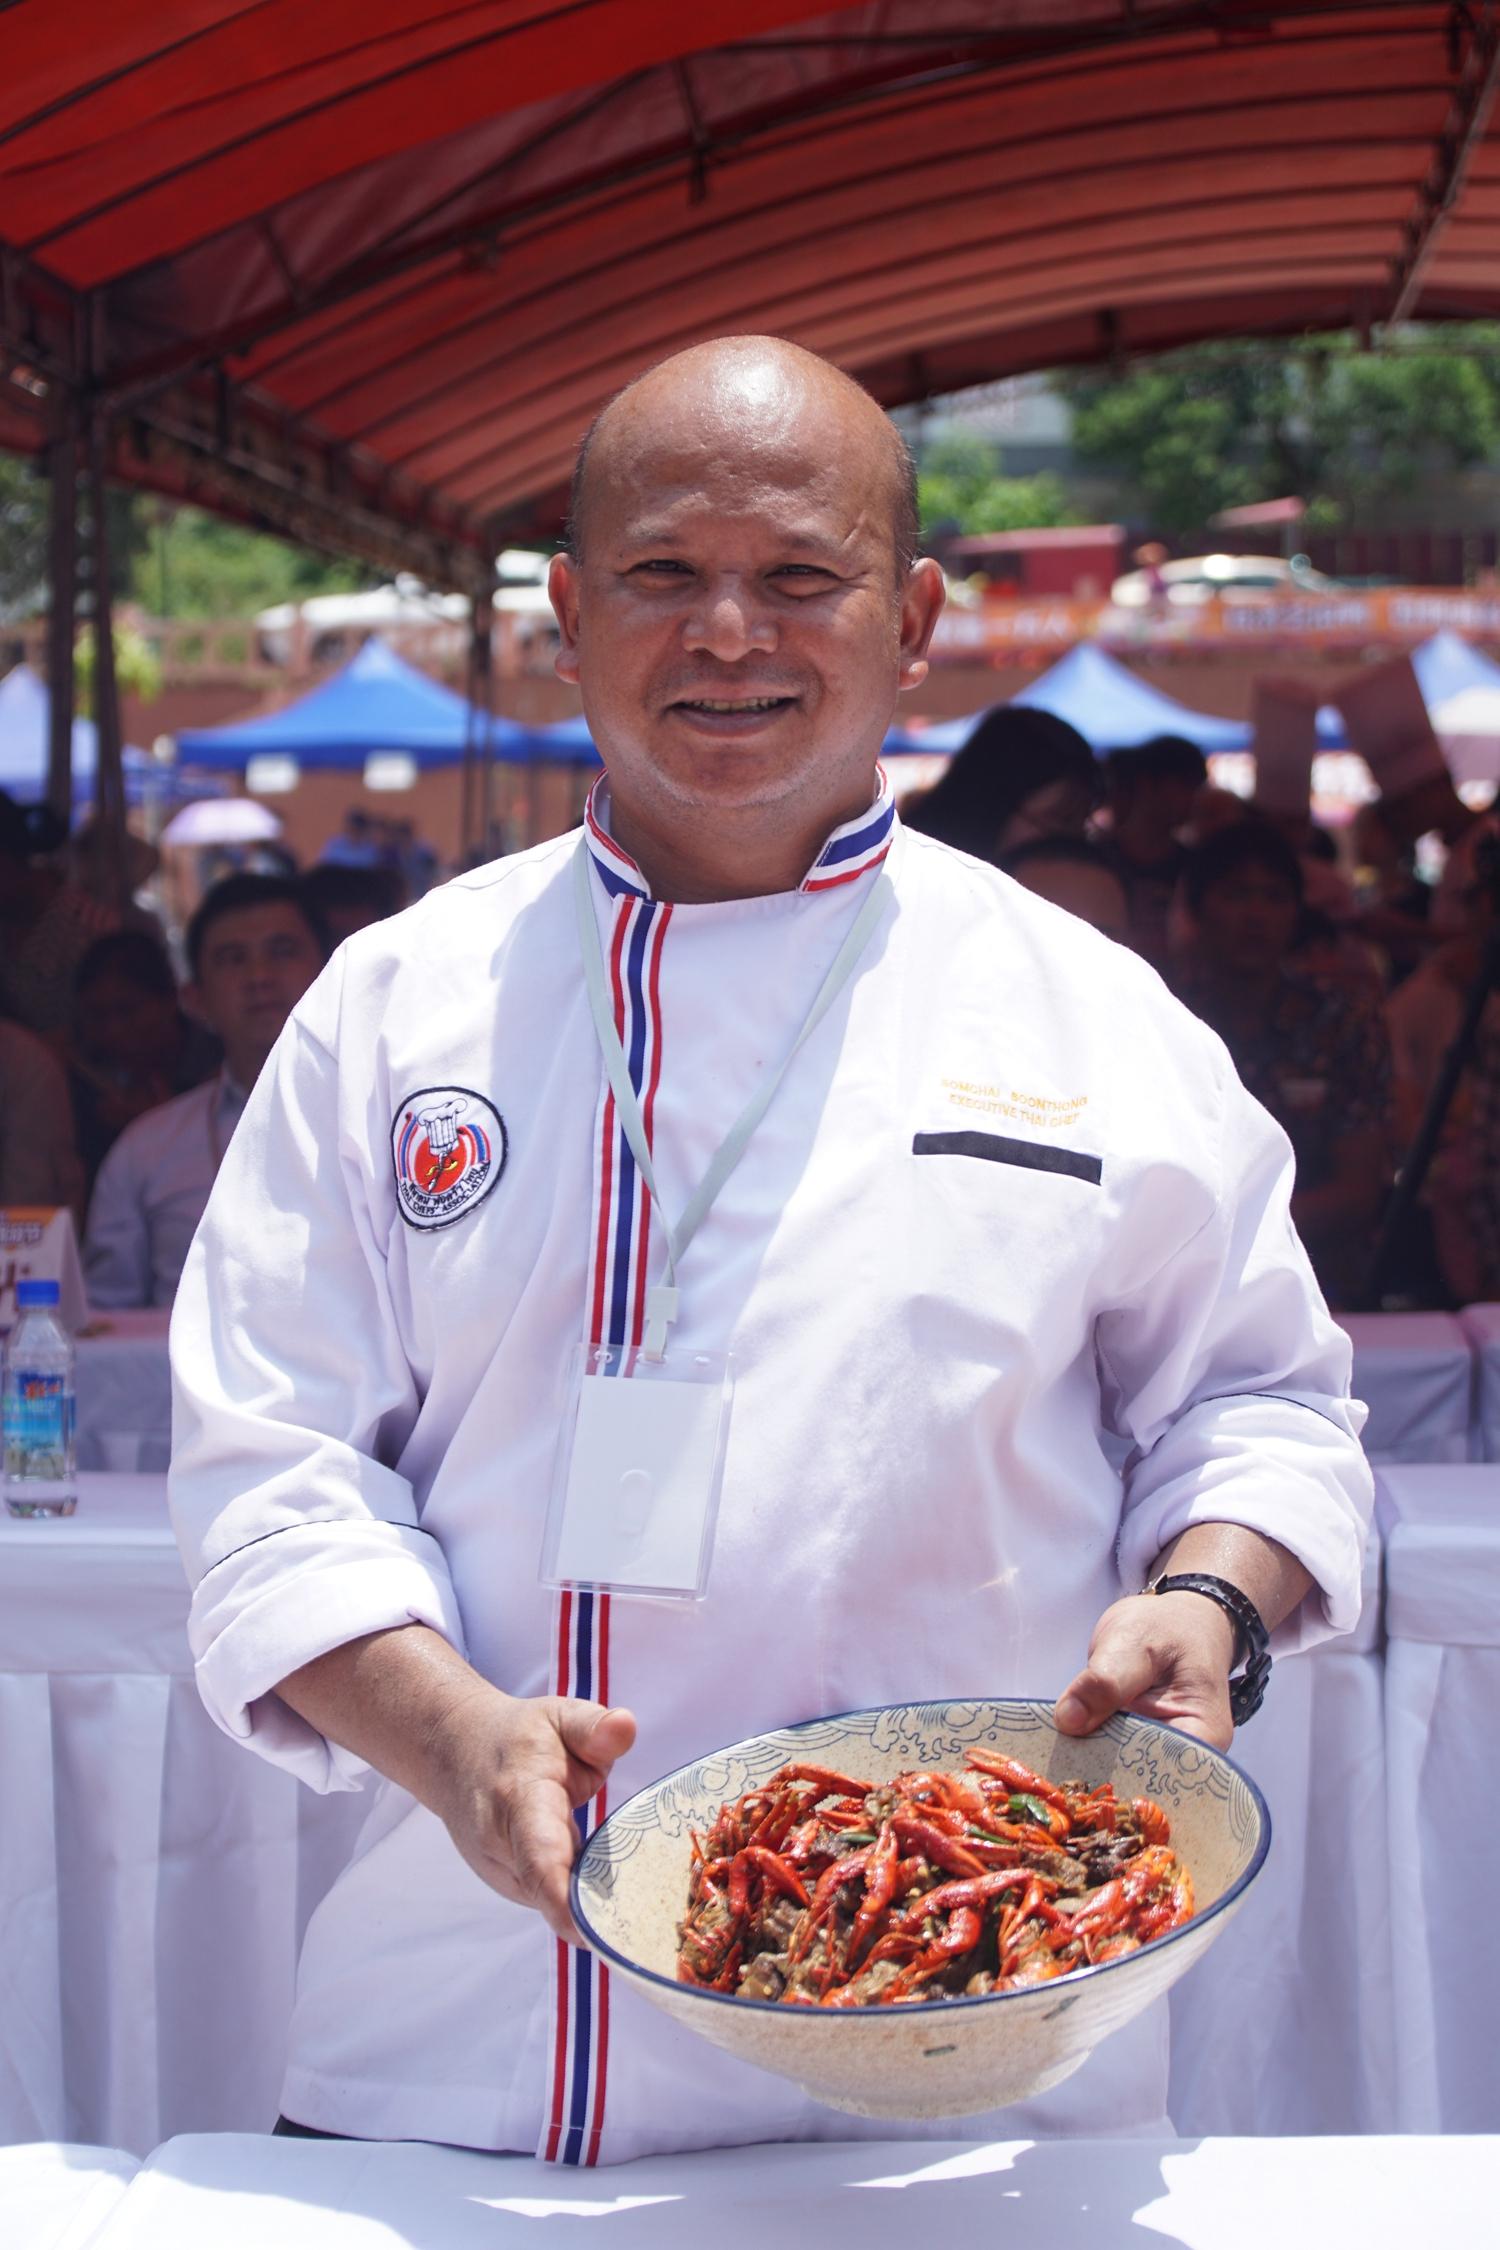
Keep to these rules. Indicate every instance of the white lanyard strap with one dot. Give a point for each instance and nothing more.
(661, 1298)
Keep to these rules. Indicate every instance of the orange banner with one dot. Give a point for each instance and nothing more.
(1394, 616)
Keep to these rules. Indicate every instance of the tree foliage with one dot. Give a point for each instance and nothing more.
(23, 538)
(194, 565)
(962, 483)
(173, 562)
(1348, 430)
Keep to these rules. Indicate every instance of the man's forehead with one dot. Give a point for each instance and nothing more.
(248, 923)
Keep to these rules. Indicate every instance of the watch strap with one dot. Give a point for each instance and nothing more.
(1246, 1693)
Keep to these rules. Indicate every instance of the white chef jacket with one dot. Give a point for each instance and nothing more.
(1009, 1205)
(151, 1193)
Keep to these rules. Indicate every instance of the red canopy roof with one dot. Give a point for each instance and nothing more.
(365, 268)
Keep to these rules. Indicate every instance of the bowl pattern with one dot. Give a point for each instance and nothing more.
(944, 2058)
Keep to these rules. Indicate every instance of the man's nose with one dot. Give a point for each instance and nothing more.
(728, 623)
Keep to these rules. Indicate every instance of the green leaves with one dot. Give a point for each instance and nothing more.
(1346, 429)
(962, 483)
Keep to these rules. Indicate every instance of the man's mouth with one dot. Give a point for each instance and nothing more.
(733, 704)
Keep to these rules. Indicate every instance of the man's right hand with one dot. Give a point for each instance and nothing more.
(504, 1773)
(513, 1773)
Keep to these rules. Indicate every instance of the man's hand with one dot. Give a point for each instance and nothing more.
(1163, 1656)
(1168, 1656)
(511, 1772)
(504, 1773)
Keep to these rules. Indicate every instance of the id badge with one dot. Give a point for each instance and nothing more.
(635, 1491)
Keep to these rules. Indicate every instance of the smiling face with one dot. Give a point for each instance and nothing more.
(738, 617)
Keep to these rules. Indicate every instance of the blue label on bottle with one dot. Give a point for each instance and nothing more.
(39, 1413)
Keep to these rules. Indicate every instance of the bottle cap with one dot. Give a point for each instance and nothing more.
(30, 1293)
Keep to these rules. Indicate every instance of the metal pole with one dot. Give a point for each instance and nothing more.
(466, 818)
(62, 572)
(482, 655)
(109, 779)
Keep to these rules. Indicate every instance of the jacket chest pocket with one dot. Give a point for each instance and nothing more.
(1003, 1240)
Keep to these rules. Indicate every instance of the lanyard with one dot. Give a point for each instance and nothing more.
(662, 1297)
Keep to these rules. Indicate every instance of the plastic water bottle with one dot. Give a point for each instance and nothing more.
(39, 1407)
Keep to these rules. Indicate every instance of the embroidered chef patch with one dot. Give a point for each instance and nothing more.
(448, 1146)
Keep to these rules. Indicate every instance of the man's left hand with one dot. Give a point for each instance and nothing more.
(1163, 1656)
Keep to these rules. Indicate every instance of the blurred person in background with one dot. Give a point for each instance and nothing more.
(1395, 905)
(1021, 774)
(1152, 795)
(134, 1045)
(38, 1160)
(1213, 809)
(1317, 1056)
(1423, 1015)
(1481, 1284)
(254, 946)
(415, 857)
(355, 845)
(1077, 877)
(347, 898)
(47, 924)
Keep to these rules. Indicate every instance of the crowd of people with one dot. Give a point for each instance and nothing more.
(1337, 991)
(120, 1079)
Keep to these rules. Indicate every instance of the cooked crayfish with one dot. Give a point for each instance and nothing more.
(819, 1890)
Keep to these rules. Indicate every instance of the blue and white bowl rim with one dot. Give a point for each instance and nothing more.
(1123, 1721)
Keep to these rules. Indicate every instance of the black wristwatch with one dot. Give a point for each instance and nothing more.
(1248, 1691)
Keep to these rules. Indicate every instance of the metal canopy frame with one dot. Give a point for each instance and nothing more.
(360, 275)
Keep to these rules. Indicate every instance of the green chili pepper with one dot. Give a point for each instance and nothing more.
(1027, 1807)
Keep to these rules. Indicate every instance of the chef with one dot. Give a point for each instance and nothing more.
(747, 1131)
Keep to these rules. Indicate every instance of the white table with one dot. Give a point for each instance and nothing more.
(1415, 1372)
(125, 1392)
(1442, 1693)
(153, 1897)
(1309, 2194)
(1312, 2051)
(1481, 1324)
(56, 2197)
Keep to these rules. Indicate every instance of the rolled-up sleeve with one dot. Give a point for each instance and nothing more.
(292, 1397)
(1231, 1383)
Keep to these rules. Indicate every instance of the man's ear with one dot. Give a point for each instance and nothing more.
(191, 997)
(921, 606)
(562, 591)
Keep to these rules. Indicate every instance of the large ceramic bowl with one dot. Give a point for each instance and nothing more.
(940, 2058)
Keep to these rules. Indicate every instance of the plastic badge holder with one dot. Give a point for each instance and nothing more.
(635, 1489)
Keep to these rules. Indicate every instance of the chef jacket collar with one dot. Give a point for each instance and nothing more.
(851, 851)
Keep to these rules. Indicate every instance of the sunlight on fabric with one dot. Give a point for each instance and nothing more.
(968, 2164)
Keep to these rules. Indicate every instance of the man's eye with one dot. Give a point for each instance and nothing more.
(810, 574)
(661, 566)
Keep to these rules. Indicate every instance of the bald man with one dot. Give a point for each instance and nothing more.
(501, 1484)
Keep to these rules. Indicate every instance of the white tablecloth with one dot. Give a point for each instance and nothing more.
(1481, 1324)
(1442, 1693)
(125, 1393)
(1286, 2025)
(153, 1895)
(56, 2197)
(237, 2194)
(1415, 1372)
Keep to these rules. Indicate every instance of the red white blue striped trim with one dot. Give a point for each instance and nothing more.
(851, 851)
(579, 2054)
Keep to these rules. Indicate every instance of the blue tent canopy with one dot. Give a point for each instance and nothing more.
(1109, 706)
(1113, 710)
(25, 714)
(374, 702)
(1447, 664)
